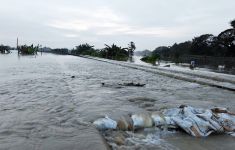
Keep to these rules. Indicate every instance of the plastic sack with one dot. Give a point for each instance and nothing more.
(142, 121)
(105, 123)
(203, 122)
(158, 119)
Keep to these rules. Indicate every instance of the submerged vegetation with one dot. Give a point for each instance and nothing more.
(151, 59)
(28, 50)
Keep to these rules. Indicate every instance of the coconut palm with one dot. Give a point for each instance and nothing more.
(131, 48)
(115, 52)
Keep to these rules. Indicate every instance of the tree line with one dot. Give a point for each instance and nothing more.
(4, 49)
(222, 45)
(113, 51)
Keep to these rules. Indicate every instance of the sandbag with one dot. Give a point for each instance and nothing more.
(105, 123)
(125, 123)
(158, 119)
(142, 121)
(197, 122)
(203, 122)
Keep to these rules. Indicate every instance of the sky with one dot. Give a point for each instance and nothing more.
(148, 23)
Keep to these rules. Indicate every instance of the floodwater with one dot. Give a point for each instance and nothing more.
(43, 107)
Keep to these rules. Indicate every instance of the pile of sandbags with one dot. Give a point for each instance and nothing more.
(195, 121)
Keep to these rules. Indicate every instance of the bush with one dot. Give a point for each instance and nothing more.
(28, 50)
(151, 59)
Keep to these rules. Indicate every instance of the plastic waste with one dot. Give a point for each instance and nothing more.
(105, 123)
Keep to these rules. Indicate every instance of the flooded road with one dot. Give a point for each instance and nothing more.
(42, 107)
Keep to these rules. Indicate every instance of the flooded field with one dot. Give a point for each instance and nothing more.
(50, 101)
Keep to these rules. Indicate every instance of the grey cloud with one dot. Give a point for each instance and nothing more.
(150, 23)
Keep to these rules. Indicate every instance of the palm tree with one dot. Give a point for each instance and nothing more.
(131, 48)
(83, 49)
(115, 52)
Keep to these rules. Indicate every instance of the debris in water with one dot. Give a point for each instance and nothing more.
(133, 84)
(120, 85)
(167, 66)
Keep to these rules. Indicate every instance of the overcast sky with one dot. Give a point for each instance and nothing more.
(149, 23)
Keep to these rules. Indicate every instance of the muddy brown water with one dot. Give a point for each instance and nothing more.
(43, 107)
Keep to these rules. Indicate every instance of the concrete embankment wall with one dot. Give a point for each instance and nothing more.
(210, 79)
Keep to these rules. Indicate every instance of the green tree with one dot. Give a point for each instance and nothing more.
(83, 49)
(115, 52)
(151, 59)
(163, 51)
(28, 50)
(227, 39)
(202, 45)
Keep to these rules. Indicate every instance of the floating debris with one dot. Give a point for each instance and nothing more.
(167, 66)
(120, 85)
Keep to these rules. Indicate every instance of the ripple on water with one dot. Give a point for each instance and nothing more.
(41, 107)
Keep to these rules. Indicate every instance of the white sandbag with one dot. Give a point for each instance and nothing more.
(142, 121)
(105, 123)
(158, 119)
